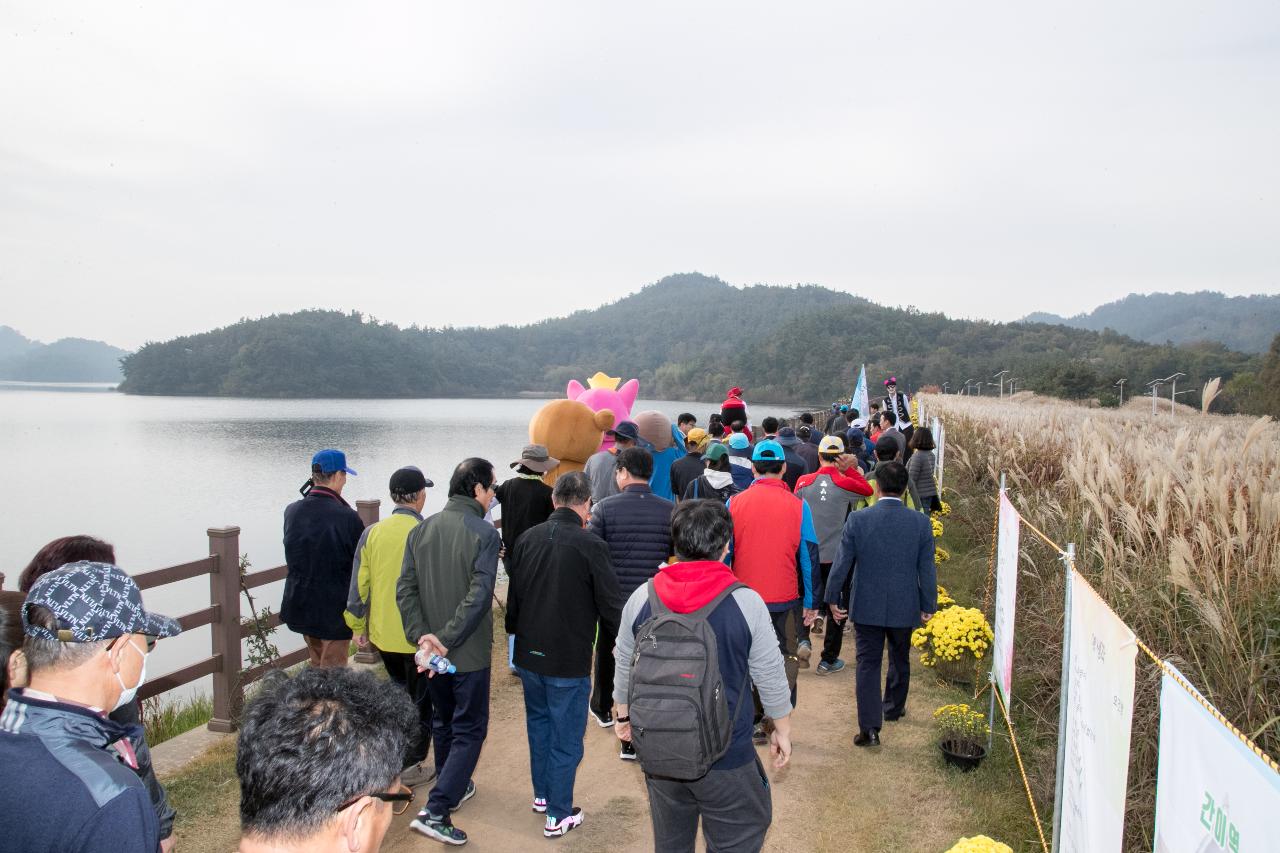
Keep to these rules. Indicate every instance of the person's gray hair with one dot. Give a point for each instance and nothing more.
(55, 654)
(401, 498)
(572, 489)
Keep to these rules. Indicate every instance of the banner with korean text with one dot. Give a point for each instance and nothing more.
(1099, 718)
(1006, 596)
(1213, 794)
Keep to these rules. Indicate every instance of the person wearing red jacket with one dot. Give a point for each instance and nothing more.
(734, 409)
(831, 493)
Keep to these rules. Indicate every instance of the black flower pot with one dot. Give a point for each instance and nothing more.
(965, 754)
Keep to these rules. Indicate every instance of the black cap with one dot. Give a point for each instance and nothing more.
(408, 480)
(626, 430)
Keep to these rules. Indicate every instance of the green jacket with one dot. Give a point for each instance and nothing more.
(446, 582)
(371, 601)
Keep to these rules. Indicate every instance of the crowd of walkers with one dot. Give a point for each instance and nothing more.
(672, 597)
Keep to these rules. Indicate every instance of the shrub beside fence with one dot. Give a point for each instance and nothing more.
(223, 616)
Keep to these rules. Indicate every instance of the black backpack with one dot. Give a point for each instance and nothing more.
(680, 720)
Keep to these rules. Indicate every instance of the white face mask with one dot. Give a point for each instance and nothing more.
(128, 693)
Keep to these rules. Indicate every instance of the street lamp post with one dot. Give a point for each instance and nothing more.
(1121, 385)
(1153, 385)
(1001, 376)
(1173, 393)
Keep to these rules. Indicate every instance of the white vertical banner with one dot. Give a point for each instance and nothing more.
(940, 439)
(1213, 794)
(1006, 596)
(859, 399)
(1099, 718)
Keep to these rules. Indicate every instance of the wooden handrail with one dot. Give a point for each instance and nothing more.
(207, 616)
(173, 574)
(179, 677)
(283, 662)
(253, 580)
(248, 628)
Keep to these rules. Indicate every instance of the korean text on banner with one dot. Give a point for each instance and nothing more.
(1213, 795)
(1006, 596)
(1098, 723)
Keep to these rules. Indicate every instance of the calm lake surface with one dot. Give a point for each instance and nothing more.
(152, 474)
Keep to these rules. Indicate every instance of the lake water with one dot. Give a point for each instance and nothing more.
(152, 474)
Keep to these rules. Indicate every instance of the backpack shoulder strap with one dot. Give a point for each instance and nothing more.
(656, 607)
(705, 610)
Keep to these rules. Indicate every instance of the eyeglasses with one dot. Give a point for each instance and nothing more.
(151, 642)
(399, 800)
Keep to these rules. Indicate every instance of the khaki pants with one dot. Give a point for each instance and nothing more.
(327, 652)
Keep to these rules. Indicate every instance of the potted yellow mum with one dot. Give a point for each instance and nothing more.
(963, 733)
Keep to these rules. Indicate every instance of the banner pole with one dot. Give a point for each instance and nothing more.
(1069, 561)
(991, 675)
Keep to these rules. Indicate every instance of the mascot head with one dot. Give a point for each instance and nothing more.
(604, 394)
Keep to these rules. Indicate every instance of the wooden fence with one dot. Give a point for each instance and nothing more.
(223, 616)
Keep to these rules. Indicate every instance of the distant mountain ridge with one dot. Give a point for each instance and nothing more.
(1244, 323)
(65, 360)
(688, 336)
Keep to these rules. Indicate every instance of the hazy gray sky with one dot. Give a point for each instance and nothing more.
(170, 167)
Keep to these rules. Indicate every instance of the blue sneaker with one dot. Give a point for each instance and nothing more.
(439, 828)
(466, 795)
(825, 668)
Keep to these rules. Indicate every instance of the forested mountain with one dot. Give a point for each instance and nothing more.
(67, 360)
(1244, 323)
(686, 337)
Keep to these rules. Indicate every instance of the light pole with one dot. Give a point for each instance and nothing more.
(1000, 376)
(944, 387)
(1121, 385)
(1153, 385)
(967, 384)
(1173, 393)
(1012, 380)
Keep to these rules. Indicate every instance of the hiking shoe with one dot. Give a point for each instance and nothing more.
(817, 627)
(825, 668)
(417, 775)
(555, 828)
(804, 651)
(628, 751)
(439, 828)
(604, 720)
(466, 795)
(758, 735)
(540, 805)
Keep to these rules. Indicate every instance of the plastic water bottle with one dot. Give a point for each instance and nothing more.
(435, 662)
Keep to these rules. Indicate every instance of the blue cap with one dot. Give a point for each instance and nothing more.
(739, 441)
(844, 408)
(331, 461)
(768, 451)
(91, 602)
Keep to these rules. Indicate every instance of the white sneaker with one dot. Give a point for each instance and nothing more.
(539, 805)
(554, 829)
(605, 721)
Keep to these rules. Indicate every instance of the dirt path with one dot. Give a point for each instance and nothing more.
(833, 797)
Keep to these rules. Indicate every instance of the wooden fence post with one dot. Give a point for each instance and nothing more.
(224, 591)
(369, 511)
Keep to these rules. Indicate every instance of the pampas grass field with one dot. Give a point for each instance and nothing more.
(1176, 522)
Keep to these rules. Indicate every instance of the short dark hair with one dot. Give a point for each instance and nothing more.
(892, 477)
(854, 413)
(769, 425)
(700, 529)
(716, 428)
(875, 406)
(470, 473)
(572, 489)
(806, 418)
(636, 461)
(313, 742)
(921, 439)
(721, 464)
(59, 552)
(686, 418)
(886, 450)
(766, 467)
(889, 416)
(737, 426)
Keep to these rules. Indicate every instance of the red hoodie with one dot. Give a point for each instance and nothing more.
(684, 587)
(851, 480)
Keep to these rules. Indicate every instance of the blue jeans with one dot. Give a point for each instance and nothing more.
(555, 712)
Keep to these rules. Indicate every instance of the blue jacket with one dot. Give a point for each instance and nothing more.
(889, 549)
(63, 788)
(636, 525)
(320, 536)
(660, 482)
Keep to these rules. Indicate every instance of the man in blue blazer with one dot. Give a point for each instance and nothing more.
(889, 549)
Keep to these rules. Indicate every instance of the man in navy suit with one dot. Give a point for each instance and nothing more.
(889, 548)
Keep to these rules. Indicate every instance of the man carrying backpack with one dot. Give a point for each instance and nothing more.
(700, 640)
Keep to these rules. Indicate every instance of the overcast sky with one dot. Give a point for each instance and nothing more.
(166, 168)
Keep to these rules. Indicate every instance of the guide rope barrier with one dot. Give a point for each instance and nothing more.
(1017, 755)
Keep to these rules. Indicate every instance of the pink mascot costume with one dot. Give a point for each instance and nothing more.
(603, 393)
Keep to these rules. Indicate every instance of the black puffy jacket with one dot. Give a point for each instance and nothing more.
(636, 525)
(321, 532)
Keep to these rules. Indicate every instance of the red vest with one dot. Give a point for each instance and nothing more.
(766, 539)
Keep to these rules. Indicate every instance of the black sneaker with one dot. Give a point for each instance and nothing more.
(628, 751)
(758, 735)
(554, 829)
(439, 828)
(604, 720)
